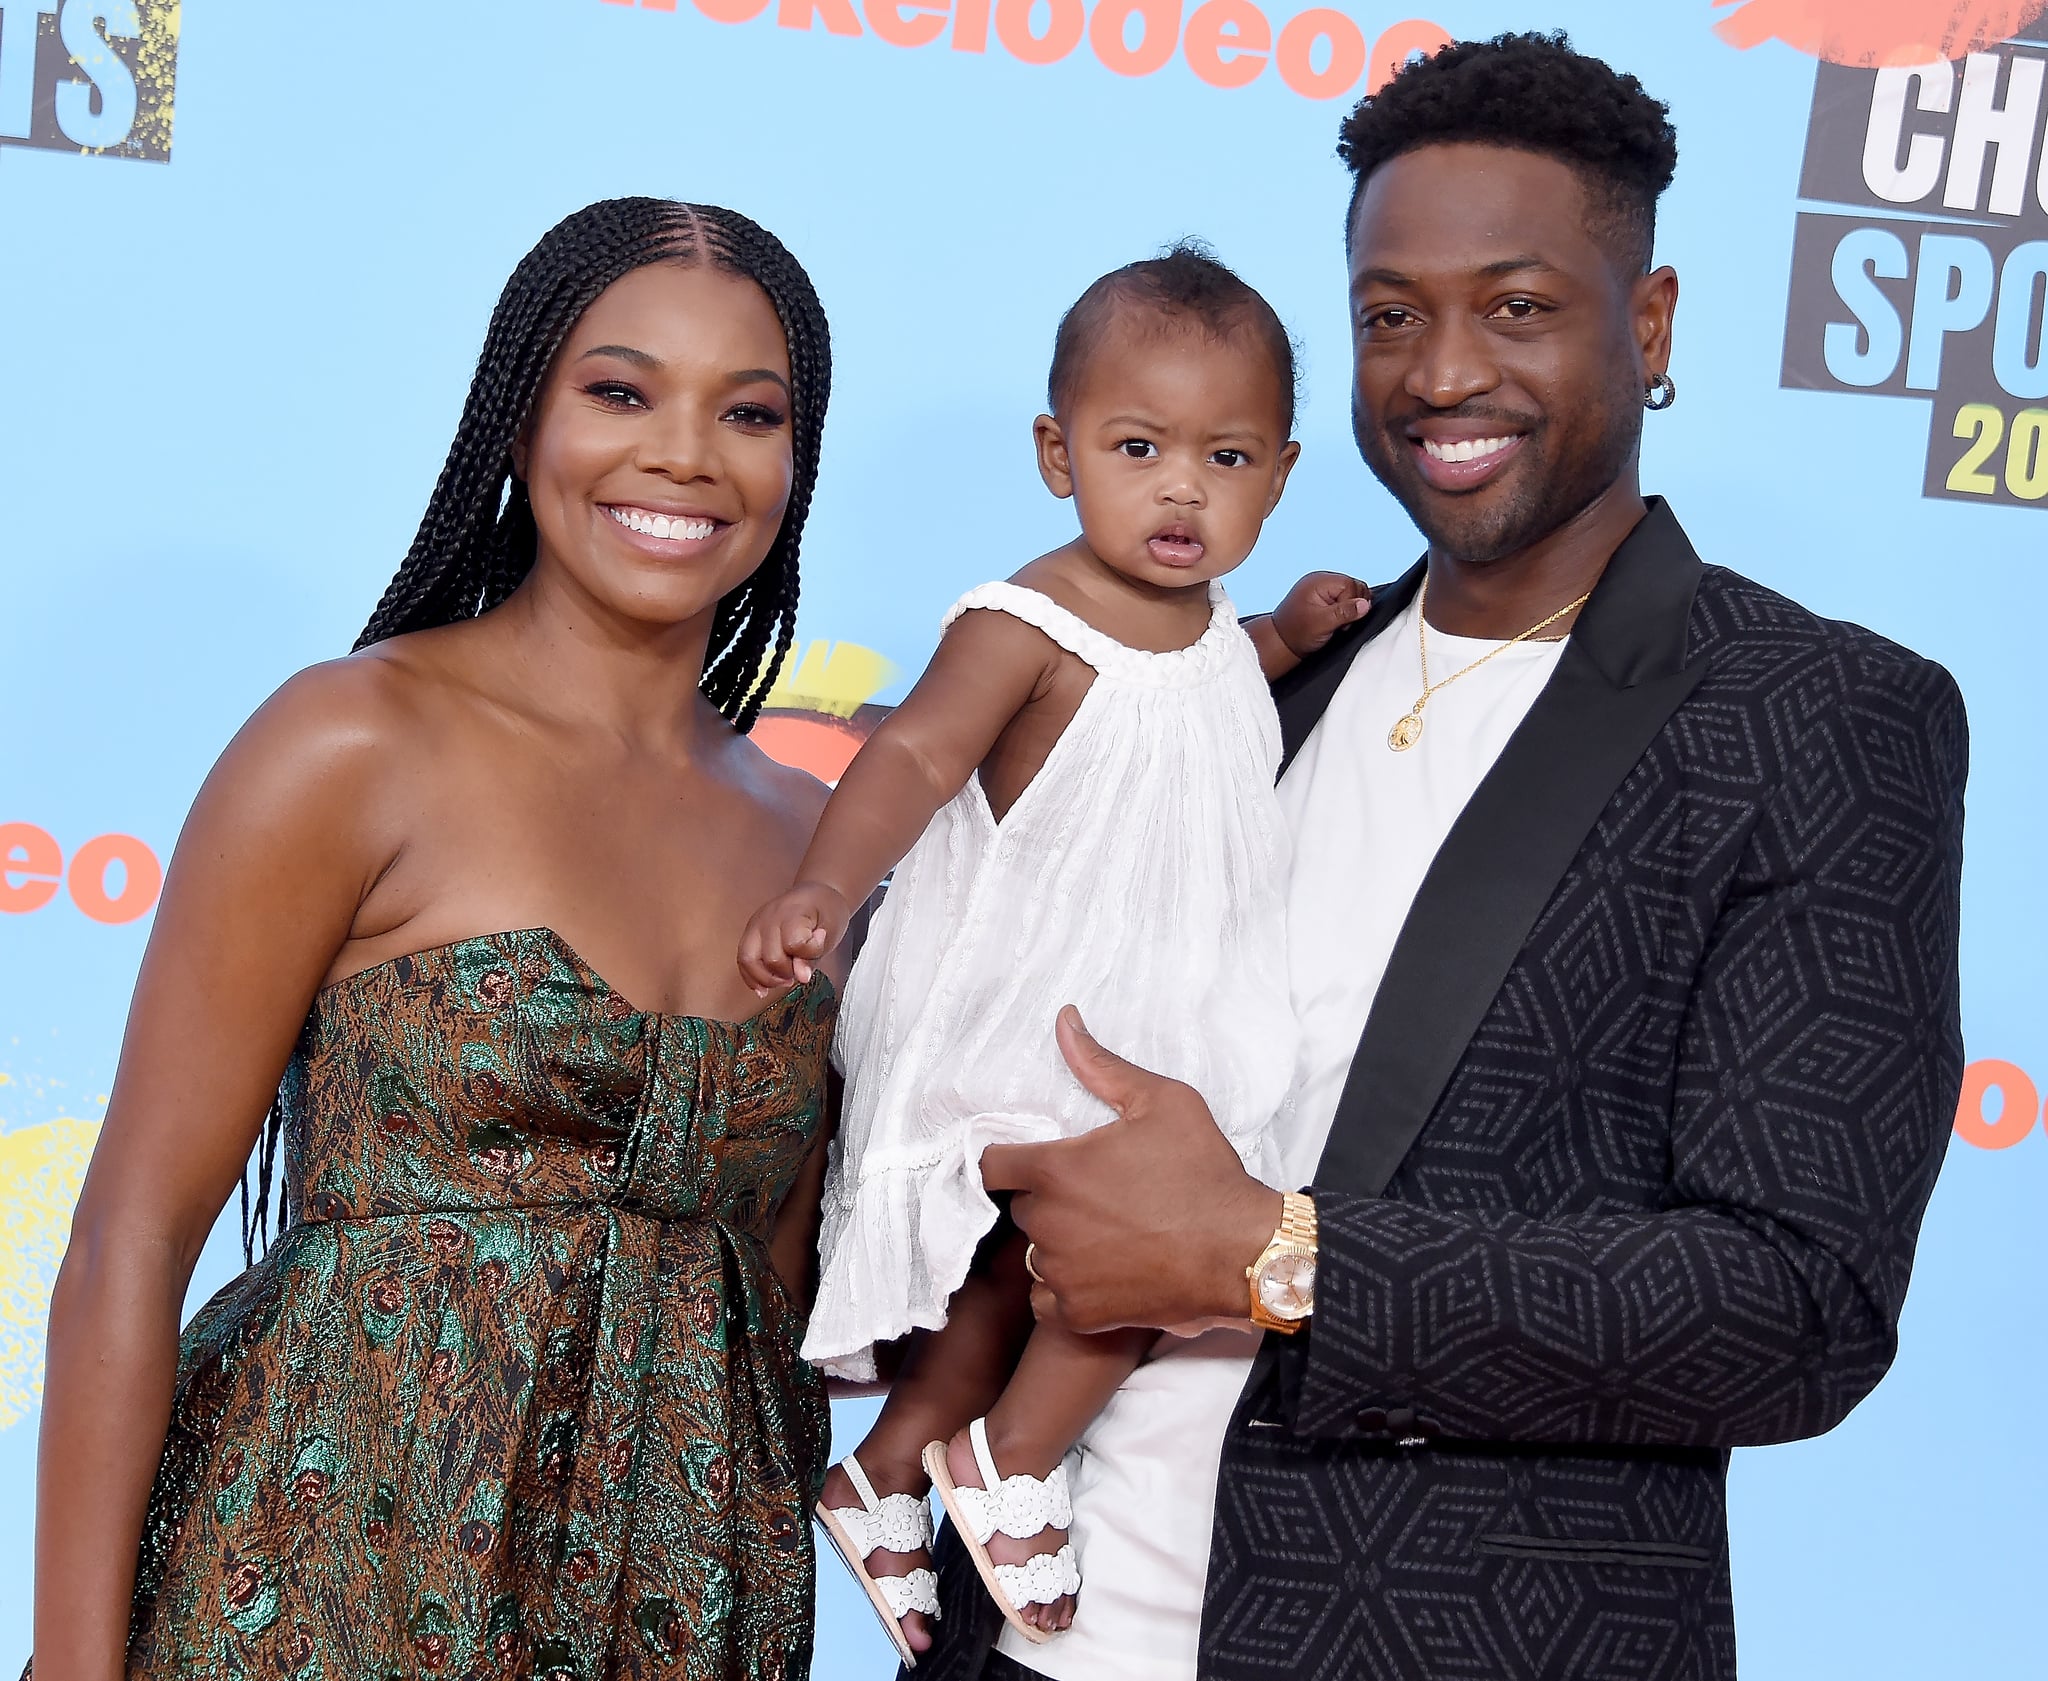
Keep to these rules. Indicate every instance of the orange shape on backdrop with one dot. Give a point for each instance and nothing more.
(142, 878)
(1877, 32)
(2019, 1100)
(808, 741)
(31, 865)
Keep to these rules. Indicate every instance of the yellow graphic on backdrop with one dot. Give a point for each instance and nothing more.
(833, 679)
(822, 707)
(42, 1167)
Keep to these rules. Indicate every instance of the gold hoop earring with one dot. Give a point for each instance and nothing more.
(1662, 393)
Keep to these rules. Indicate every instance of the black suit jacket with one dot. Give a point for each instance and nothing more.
(1629, 1165)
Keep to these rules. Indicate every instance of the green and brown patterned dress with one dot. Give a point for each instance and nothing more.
(518, 1393)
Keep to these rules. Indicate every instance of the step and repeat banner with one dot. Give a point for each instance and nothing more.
(246, 256)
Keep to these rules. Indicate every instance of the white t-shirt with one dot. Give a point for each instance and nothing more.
(1367, 823)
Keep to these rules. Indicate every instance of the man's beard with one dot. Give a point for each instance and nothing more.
(1554, 481)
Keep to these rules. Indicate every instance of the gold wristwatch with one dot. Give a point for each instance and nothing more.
(1283, 1278)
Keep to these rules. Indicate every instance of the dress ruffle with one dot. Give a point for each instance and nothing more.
(1140, 878)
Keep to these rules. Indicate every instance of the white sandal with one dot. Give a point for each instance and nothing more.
(890, 1523)
(1020, 1507)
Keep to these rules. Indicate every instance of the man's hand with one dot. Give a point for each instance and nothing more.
(787, 936)
(1148, 1220)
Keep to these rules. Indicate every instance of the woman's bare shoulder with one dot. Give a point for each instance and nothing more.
(320, 749)
(786, 800)
(366, 703)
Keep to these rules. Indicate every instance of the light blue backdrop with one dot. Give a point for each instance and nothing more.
(226, 384)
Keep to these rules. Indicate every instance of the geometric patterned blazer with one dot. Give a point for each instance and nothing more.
(1630, 1162)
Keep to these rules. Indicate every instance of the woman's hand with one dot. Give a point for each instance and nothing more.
(787, 936)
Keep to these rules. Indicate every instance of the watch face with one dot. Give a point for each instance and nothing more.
(1287, 1284)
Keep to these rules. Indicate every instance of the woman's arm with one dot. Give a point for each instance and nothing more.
(793, 1242)
(988, 667)
(261, 893)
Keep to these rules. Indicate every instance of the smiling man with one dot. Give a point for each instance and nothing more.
(1623, 939)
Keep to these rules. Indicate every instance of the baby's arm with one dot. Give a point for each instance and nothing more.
(1312, 612)
(987, 669)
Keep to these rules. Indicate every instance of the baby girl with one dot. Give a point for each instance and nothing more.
(1080, 794)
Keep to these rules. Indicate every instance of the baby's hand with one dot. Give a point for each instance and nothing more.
(790, 934)
(1317, 608)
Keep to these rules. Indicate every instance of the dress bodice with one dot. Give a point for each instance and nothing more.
(517, 1392)
(502, 1071)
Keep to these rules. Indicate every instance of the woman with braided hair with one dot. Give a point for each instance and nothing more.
(450, 928)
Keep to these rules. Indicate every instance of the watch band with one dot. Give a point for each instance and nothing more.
(1297, 1219)
(1296, 1231)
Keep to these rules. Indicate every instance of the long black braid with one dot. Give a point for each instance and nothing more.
(477, 540)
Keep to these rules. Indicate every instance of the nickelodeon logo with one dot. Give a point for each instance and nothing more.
(1999, 1107)
(91, 76)
(112, 878)
(1319, 53)
(1876, 32)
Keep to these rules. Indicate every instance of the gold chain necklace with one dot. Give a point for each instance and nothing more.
(1407, 730)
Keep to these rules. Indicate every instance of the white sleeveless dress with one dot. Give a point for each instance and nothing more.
(1141, 877)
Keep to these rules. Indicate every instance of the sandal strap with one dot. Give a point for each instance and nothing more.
(1041, 1579)
(1018, 1506)
(914, 1590)
(859, 1478)
(977, 1439)
(891, 1523)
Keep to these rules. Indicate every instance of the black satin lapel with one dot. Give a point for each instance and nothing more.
(1617, 682)
(1304, 694)
(1495, 872)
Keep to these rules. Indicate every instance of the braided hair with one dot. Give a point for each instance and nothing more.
(477, 540)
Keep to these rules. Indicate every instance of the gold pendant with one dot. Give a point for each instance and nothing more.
(1407, 731)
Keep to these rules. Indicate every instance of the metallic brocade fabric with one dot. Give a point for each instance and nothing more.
(518, 1394)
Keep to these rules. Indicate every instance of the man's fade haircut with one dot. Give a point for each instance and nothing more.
(1184, 282)
(1532, 93)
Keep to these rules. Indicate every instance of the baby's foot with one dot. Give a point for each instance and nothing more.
(888, 1480)
(1005, 1549)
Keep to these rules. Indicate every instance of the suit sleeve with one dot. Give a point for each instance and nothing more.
(1819, 1063)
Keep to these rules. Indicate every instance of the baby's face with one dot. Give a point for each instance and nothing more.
(1174, 448)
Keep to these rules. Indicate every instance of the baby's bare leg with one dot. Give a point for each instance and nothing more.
(948, 1376)
(1062, 1382)
(955, 1373)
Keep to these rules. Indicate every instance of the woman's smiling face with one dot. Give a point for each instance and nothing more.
(659, 458)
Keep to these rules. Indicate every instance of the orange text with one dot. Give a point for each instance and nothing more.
(32, 868)
(1320, 53)
(2000, 1105)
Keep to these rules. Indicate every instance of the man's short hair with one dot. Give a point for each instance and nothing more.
(1532, 93)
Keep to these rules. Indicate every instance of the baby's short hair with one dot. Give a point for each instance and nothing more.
(1187, 281)
(1532, 93)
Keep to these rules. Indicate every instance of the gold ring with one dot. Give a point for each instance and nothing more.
(1031, 1249)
